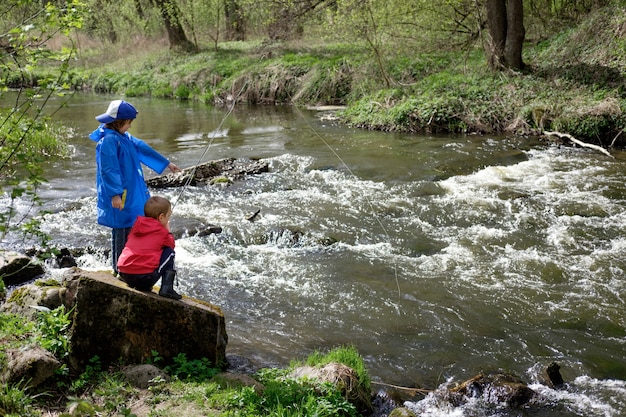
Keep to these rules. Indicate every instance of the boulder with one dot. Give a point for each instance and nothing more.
(222, 171)
(344, 378)
(31, 366)
(553, 374)
(234, 380)
(17, 268)
(402, 412)
(184, 227)
(493, 388)
(115, 322)
(144, 376)
(24, 300)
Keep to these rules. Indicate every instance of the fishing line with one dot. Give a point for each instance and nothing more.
(369, 202)
(192, 173)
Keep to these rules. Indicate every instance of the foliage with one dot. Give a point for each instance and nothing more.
(25, 144)
(114, 392)
(286, 396)
(191, 370)
(89, 377)
(27, 137)
(14, 330)
(81, 407)
(15, 401)
(53, 330)
(50, 331)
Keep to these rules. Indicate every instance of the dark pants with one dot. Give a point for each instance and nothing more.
(118, 241)
(144, 282)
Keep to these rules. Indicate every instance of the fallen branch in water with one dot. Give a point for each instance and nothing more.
(579, 142)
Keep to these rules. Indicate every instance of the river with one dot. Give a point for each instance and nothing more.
(437, 257)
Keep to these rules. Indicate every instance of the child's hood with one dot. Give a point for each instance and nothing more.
(146, 225)
(97, 134)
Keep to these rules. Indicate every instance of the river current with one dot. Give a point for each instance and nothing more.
(437, 257)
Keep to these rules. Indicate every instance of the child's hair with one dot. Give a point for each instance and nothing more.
(116, 124)
(156, 205)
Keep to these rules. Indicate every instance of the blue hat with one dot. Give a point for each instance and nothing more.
(118, 110)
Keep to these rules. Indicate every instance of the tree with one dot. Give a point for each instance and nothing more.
(26, 137)
(170, 14)
(505, 23)
(235, 29)
(286, 17)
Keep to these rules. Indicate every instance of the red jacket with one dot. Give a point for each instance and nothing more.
(146, 241)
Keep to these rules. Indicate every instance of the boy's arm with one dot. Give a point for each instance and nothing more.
(148, 156)
(168, 240)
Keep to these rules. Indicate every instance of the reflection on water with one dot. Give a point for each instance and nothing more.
(437, 257)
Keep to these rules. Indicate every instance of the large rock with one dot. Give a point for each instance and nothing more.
(493, 388)
(144, 376)
(29, 366)
(24, 300)
(16, 268)
(344, 378)
(115, 322)
(221, 170)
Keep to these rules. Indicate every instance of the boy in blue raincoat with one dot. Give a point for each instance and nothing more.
(122, 190)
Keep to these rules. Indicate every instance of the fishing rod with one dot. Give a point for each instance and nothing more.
(206, 149)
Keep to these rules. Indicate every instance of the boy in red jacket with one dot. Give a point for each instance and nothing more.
(149, 252)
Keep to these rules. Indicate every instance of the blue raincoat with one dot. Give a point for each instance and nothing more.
(118, 159)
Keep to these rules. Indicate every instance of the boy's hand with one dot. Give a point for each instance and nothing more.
(116, 202)
(173, 167)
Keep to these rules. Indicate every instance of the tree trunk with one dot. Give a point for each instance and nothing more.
(514, 34)
(496, 23)
(235, 30)
(171, 19)
(505, 21)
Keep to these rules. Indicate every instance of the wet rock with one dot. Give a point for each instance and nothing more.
(17, 268)
(144, 376)
(55, 257)
(252, 217)
(344, 378)
(32, 366)
(243, 365)
(494, 388)
(221, 171)
(554, 378)
(384, 404)
(402, 412)
(183, 227)
(283, 237)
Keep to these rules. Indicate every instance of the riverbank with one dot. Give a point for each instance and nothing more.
(573, 83)
(41, 348)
